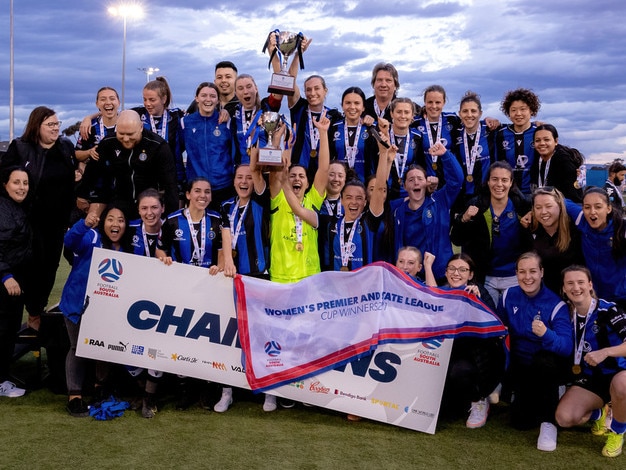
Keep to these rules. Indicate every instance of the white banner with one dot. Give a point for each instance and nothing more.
(179, 319)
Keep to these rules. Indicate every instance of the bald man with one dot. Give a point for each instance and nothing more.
(134, 160)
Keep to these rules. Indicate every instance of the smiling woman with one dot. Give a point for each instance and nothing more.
(51, 162)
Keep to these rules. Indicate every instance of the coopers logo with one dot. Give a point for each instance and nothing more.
(110, 270)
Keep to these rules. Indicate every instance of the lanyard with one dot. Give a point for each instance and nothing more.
(400, 158)
(351, 150)
(198, 250)
(163, 132)
(232, 217)
(346, 251)
(579, 345)
(379, 112)
(337, 212)
(544, 177)
(245, 125)
(313, 132)
(146, 244)
(437, 137)
(471, 154)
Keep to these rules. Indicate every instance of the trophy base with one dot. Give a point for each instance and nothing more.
(282, 84)
(270, 157)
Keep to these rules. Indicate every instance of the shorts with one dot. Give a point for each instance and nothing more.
(600, 384)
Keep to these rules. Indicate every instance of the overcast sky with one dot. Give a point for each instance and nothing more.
(572, 53)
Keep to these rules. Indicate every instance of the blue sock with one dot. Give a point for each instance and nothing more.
(595, 414)
(618, 427)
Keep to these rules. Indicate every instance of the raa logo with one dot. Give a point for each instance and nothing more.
(110, 270)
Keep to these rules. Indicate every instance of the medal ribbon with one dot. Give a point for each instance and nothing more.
(401, 158)
(471, 155)
(351, 150)
(345, 247)
(578, 352)
(430, 135)
(146, 245)
(313, 132)
(232, 216)
(163, 131)
(198, 251)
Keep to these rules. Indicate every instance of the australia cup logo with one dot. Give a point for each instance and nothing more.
(110, 270)
(272, 348)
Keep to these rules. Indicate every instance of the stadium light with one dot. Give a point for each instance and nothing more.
(125, 10)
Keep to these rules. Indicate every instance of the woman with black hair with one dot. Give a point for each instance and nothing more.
(603, 243)
(557, 165)
(476, 364)
(111, 232)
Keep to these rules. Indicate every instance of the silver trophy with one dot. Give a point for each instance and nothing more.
(270, 154)
(286, 44)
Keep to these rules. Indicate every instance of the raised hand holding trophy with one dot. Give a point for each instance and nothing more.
(286, 43)
(270, 155)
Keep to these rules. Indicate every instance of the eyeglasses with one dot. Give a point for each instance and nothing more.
(53, 124)
(495, 226)
(453, 269)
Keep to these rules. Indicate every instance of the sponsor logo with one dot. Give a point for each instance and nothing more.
(180, 357)
(298, 384)
(153, 353)
(432, 343)
(137, 349)
(110, 270)
(352, 396)
(238, 369)
(414, 411)
(385, 404)
(218, 365)
(427, 357)
(272, 348)
(317, 387)
(119, 347)
(94, 342)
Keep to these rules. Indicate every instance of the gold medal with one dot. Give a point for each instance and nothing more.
(248, 151)
(400, 182)
(576, 369)
(434, 165)
(576, 184)
(299, 246)
(234, 253)
(469, 178)
(313, 153)
(344, 268)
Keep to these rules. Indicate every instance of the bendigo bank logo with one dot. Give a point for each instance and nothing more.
(110, 270)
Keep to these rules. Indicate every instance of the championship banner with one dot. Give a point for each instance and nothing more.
(181, 320)
(291, 331)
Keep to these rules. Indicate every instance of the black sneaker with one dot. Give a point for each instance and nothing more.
(286, 403)
(77, 408)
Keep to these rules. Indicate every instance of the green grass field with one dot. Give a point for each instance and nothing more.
(36, 432)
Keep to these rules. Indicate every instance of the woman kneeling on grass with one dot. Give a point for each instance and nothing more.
(599, 368)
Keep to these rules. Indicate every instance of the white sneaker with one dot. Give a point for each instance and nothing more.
(494, 397)
(270, 403)
(478, 414)
(226, 400)
(8, 389)
(547, 437)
